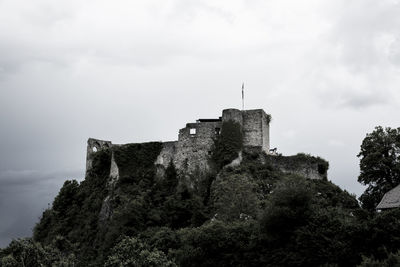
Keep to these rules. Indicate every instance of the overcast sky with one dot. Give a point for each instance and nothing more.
(132, 71)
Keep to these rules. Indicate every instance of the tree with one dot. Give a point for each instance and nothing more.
(379, 164)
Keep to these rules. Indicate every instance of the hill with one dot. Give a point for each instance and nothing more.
(246, 208)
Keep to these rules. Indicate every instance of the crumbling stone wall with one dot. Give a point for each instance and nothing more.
(192, 152)
(301, 164)
(94, 145)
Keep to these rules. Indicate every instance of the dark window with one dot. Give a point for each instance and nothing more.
(217, 131)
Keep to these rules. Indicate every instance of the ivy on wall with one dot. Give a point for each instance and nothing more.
(228, 144)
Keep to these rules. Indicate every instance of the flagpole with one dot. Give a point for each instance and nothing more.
(243, 96)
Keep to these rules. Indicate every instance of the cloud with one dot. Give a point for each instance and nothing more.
(364, 38)
(353, 64)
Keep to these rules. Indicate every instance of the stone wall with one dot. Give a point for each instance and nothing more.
(301, 164)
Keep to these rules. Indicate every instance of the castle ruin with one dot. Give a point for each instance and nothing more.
(191, 153)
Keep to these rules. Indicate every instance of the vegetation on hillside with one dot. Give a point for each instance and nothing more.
(251, 215)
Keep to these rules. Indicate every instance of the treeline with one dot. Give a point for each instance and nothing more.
(249, 215)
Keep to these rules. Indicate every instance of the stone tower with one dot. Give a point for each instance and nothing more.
(255, 126)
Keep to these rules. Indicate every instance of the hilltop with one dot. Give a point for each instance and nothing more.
(216, 197)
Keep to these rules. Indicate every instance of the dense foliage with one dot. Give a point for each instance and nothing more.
(251, 215)
(379, 164)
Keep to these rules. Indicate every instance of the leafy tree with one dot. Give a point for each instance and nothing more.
(289, 207)
(133, 252)
(379, 164)
(26, 252)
